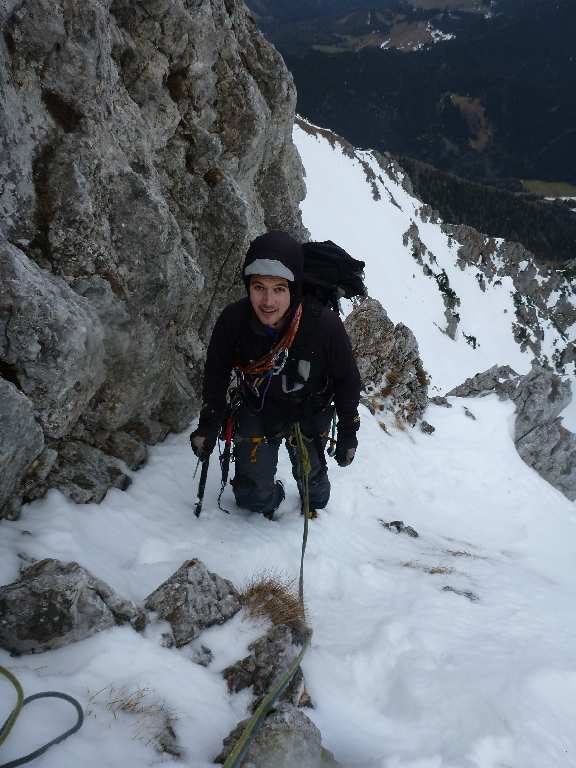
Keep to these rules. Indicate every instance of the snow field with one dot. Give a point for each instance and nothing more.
(401, 672)
(339, 205)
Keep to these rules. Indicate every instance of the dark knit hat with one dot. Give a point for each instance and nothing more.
(276, 254)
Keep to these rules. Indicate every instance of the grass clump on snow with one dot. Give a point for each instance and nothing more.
(273, 596)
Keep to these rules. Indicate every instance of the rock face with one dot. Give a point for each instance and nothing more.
(541, 440)
(389, 363)
(54, 604)
(142, 147)
(16, 455)
(193, 599)
(287, 739)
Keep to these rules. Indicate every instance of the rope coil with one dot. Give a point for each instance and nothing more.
(21, 702)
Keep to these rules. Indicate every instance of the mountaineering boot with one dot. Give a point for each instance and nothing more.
(279, 496)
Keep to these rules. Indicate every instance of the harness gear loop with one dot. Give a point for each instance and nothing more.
(22, 702)
(256, 443)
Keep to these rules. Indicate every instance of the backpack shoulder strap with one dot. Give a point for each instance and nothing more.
(307, 334)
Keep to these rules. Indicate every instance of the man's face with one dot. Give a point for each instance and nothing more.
(270, 298)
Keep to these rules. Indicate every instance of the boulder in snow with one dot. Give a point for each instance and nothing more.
(54, 604)
(287, 739)
(269, 657)
(540, 438)
(193, 599)
(84, 473)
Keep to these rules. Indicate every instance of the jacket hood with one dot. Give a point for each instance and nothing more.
(276, 254)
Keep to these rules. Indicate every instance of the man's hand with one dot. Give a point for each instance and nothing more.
(203, 439)
(345, 450)
(202, 445)
(346, 442)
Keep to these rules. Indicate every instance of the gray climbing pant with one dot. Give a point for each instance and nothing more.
(256, 460)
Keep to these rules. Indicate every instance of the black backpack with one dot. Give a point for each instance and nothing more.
(331, 274)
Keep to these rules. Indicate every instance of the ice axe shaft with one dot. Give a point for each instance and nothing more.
(202, 486)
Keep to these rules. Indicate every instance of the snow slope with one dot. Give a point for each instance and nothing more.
(403, 672)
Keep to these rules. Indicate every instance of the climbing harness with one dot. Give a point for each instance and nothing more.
(241, 747)
(22, 702)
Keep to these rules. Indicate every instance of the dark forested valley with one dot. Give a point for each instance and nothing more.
(485, 91)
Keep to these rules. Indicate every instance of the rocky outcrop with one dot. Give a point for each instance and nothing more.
(541, 440)
(543, 295)
(427, 261)
(143, 146)
(287, 739)
(193, 599)
(16, 455)
(389, 363)
(500, 379)
(54, 604)
(269, 657)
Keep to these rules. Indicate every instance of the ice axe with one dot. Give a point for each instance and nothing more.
(201, 485)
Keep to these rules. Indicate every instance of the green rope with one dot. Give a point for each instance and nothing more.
(242, 745)
(12, 717)
(21, 702)
(305, 474)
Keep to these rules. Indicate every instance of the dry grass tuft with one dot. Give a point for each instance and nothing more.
(154, 722)
(273, 596)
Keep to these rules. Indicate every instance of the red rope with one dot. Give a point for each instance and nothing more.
(266, 363)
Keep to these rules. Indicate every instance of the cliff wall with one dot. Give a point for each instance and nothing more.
(142, 146)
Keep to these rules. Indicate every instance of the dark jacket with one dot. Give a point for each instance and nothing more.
(320, 368)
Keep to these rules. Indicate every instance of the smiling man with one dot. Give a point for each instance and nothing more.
(270, 299)
(294, 363)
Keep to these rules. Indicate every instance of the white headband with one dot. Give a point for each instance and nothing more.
(269, 268)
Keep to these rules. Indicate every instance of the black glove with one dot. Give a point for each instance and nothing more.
(346, 441)
(203, 439)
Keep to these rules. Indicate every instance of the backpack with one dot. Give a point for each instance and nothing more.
(331, 274)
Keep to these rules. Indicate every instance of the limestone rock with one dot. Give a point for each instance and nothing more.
(269, 657)
(54, 604)
(540, 438)
(389, 363)
(397, 526)
(21, 438)
(500, 379)
(143, 146)
(288, 738)
(51, 339)
(84, 474)
(193, 599)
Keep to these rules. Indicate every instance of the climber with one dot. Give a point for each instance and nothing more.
(293, 361)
